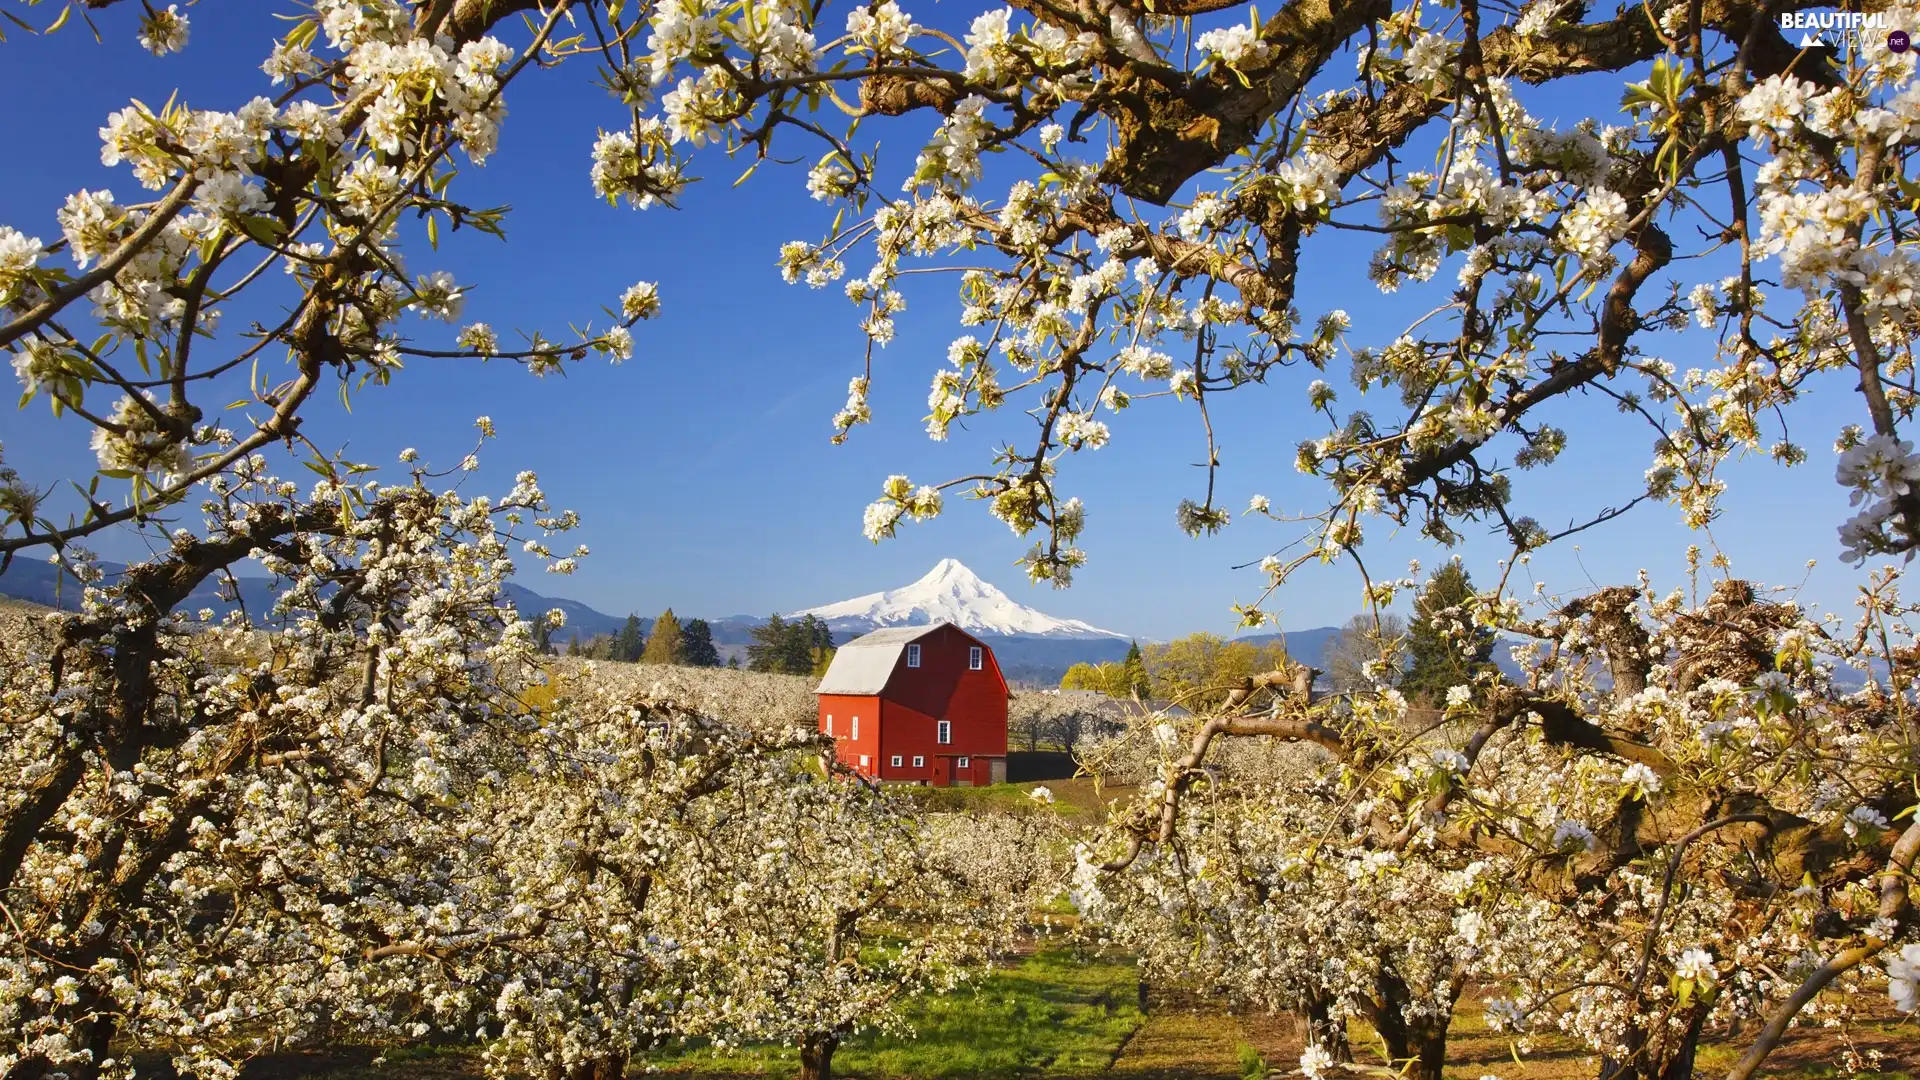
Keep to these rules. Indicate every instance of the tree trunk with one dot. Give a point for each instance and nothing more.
(1648, 1058)
(1419, 1045)
(1325, 1030)
(1680, 1064)
(1430, 1052)
(816, 1056)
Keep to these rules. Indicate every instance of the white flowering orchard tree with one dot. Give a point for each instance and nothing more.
(694, 877)
(1706, 832)
(843, 905)
(1266, 894)
(211, 833)
(215, 838)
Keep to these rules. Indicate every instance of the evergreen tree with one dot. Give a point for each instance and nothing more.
(664, 647)
(818, 635)
(543, 636)
(573, 645)
(631, 641)
(733, 662)
(1440, 659)
(812, 647)
(696, 644)
(1134, 669)
(768, 638)
(791, 648)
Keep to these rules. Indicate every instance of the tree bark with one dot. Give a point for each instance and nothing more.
(1325, 1030)
(1650, 1058)
(1680, 1064)
(816, 1055)
(1420, 1044)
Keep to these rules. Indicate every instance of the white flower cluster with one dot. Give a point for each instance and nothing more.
(1879, 471)
(1235, 46)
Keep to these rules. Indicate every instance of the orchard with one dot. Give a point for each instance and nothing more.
(384, 815)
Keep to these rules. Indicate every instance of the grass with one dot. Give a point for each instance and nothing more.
(1076, 798)
(1058, 1012)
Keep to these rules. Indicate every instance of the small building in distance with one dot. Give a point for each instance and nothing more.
(918, 704)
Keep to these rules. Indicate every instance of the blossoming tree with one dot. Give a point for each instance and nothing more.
(1628, 856)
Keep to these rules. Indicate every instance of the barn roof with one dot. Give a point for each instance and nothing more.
(862, 665)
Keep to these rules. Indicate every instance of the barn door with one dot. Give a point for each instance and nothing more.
(942, 770)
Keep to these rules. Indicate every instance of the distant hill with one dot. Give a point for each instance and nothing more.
(1303, 646)
(41, 582)
(1310, 647)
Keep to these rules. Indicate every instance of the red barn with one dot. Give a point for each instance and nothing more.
(919, 704)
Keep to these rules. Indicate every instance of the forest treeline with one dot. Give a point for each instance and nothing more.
(781, 646)
(1421, 658)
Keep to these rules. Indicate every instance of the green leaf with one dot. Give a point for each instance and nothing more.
(266, 230)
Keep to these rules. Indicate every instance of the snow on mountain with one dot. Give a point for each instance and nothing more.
(951, 593)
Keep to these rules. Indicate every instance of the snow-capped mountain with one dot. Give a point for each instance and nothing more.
(951, 593)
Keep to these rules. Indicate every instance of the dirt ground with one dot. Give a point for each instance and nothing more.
(1187, 1038)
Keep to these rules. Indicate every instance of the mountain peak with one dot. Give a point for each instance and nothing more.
(948, 568)
(950, 592)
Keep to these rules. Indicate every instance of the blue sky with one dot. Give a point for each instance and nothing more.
(702, 467)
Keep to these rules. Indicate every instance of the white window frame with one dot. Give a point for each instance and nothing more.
(963, 763)
(896, 761)
(829, 723)
(943, 733)
(856, 730)
(919, 761)
(975, 660)
(913, 655)
(865, 761)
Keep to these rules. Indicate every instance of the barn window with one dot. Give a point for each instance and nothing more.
(962, 763)
(973, 658)
(919, 762)
(864, 760)
(856, 729)
(913, 656)
(896, 761)
(829, 723)
(945, 735)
